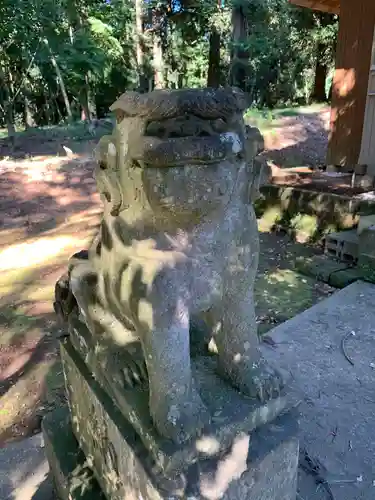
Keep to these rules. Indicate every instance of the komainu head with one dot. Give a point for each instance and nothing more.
(179, 152)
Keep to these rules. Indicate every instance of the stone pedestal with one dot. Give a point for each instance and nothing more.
(250, 451)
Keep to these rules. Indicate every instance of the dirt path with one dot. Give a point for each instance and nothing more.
(49, 210)
(298, 140)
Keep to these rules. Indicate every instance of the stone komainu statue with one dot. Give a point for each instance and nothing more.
(178, 240)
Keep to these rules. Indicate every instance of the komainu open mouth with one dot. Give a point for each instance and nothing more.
(183, 126)
(185, 140)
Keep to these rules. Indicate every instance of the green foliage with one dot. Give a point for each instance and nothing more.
(89, 47)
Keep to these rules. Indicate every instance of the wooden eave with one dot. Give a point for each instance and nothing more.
(331, 6)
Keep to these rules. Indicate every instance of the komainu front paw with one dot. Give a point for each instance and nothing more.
(256, 379)
(181, 420)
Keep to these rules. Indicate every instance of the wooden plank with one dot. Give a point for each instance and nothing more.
(322, 5)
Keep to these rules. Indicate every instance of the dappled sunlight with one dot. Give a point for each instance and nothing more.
(35, 167)
(33, 253)
(22, 403)
(22, 477)
(280, 291)
(287, 276)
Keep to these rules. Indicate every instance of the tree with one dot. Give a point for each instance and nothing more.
(70, 59)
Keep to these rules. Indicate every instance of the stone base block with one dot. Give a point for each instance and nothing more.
(231, 412)
(261, 465)
(73, 479)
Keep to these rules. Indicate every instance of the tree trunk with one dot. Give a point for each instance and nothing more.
(239, 56)
(27, 113)
(88, 106)
(319, 90)
(10, 119)
(213, 75)
(60, 80)
(143, 83)
(8, 102)
(158, 61)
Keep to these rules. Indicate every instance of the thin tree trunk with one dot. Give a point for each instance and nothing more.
(213, 75)
(143, 81)
(8, 102)
(60, 80)
(88, 106)
(10, 119)
(158, 61)
(28, 116)
(319, 91)
(240, 56)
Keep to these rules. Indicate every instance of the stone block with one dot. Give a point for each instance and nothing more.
(232, 413)
(366, 266)
(73, 479)
(345, 277)
(338, 407)
(319, 267)
(365, 221)
(258, 465)
(364, 181)
(367, 241)
(342, 245)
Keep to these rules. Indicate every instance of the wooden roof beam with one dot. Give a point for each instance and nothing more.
(318, 5)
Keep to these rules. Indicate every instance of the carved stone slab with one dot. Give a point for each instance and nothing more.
(232, 413)
(260, 466)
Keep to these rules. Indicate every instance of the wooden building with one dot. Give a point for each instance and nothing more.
(352, 127)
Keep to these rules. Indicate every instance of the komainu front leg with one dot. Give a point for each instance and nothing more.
(175, 404)
(237, 343)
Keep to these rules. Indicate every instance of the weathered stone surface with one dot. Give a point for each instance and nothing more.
(261, 465)
(232, 413)
(163, 104)
(178, 240)
(73, 479)
(338, 407)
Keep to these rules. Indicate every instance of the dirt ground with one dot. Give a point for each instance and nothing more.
(50, 209)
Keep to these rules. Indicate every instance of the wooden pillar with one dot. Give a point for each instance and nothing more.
(353, 57)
